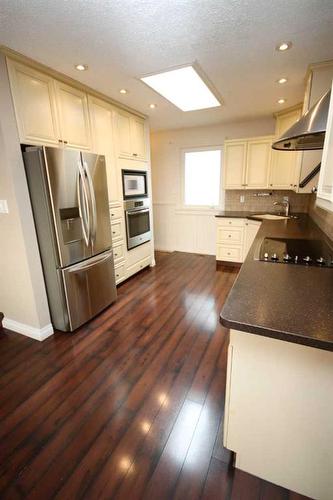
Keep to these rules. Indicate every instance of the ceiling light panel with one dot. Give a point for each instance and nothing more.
(184, 88)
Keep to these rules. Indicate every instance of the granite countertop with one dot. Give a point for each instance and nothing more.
(290, 303)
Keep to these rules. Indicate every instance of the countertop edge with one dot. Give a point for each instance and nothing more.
(276, 334)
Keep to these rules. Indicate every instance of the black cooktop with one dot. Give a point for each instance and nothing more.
(294, 251)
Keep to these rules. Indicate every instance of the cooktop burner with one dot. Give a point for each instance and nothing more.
(293, 251)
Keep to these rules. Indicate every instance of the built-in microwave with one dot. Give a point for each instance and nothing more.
(134, 184)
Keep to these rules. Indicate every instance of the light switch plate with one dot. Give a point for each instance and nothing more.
(4, 207)
(242, 198)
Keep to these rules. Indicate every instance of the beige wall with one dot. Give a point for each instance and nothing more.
(174, 229)
(22, 291)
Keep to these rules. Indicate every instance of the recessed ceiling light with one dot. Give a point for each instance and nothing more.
(152, 106)
(283, 46)
(184, 88)
(81, 67)
(123, 91)
(282, 80)
(281, 101)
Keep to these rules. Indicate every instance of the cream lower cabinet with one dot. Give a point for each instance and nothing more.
(247, 163)
(279, 412)
(234, 238)
(118, 242)
(35, 105)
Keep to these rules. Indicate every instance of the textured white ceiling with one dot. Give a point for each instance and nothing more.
(232, 40)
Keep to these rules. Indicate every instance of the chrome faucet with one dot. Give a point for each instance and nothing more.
(284, 204)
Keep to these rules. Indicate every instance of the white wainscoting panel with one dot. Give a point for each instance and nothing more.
(182, 230)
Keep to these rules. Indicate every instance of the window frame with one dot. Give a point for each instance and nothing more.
(200, 208)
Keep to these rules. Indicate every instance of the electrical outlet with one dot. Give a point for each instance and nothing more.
(242, 198)
(286, 198)
(4, 207)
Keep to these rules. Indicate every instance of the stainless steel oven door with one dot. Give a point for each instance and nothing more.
(89, 288)
(137, 227)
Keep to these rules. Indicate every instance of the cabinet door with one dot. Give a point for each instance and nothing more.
(74, 117)
(101, 116)
(325, 186)
(251, 229)
(234, 164)
(285, 164)
(123, 124)
(257, 164)
(35, 104)
(138, 138)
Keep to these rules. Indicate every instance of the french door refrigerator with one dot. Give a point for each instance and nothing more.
(68, 192)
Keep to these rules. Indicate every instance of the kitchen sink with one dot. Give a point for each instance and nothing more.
(271, 217)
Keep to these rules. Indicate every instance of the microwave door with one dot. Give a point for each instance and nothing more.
(135, 184)
(95, 171)
(69, 196)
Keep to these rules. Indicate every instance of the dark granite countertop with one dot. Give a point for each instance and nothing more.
(290, 303)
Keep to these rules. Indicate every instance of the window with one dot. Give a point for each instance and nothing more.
(202, 178)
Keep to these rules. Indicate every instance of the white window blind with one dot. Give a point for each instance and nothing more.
(202, 171)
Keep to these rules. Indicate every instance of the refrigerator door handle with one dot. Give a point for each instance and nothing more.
(82, 267)
(83, 206)
(93, 201)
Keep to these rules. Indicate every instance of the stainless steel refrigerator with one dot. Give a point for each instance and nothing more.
(68, 192)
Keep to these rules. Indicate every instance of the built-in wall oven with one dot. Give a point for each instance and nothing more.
(137, 214)
(134, 184)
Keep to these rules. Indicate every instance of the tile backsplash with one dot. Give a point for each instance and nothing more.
(253, 203)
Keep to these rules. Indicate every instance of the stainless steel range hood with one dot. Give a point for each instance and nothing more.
(309, 132)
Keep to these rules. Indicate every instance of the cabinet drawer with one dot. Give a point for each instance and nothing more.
(116, 231)
(230, 235)
(116, 213)
(118, 252)
(138, 266)
(224, 221)
(120, 273)
(232, 254)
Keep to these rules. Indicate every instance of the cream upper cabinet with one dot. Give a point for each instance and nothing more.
(35, 104)
(234, 164)
(247, 163)
(285, 164)
(138, 138)
(325, 186)
(73, 116)
(131, 136)
(123, 124)
(101, 117)
(257, 163)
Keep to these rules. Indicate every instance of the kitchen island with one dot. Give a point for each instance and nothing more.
(279, 397)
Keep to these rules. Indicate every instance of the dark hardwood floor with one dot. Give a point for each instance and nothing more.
(131, 405)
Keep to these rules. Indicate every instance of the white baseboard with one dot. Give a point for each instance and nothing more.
(27, 330)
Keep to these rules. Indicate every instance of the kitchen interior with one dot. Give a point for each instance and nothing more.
(166, 256)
